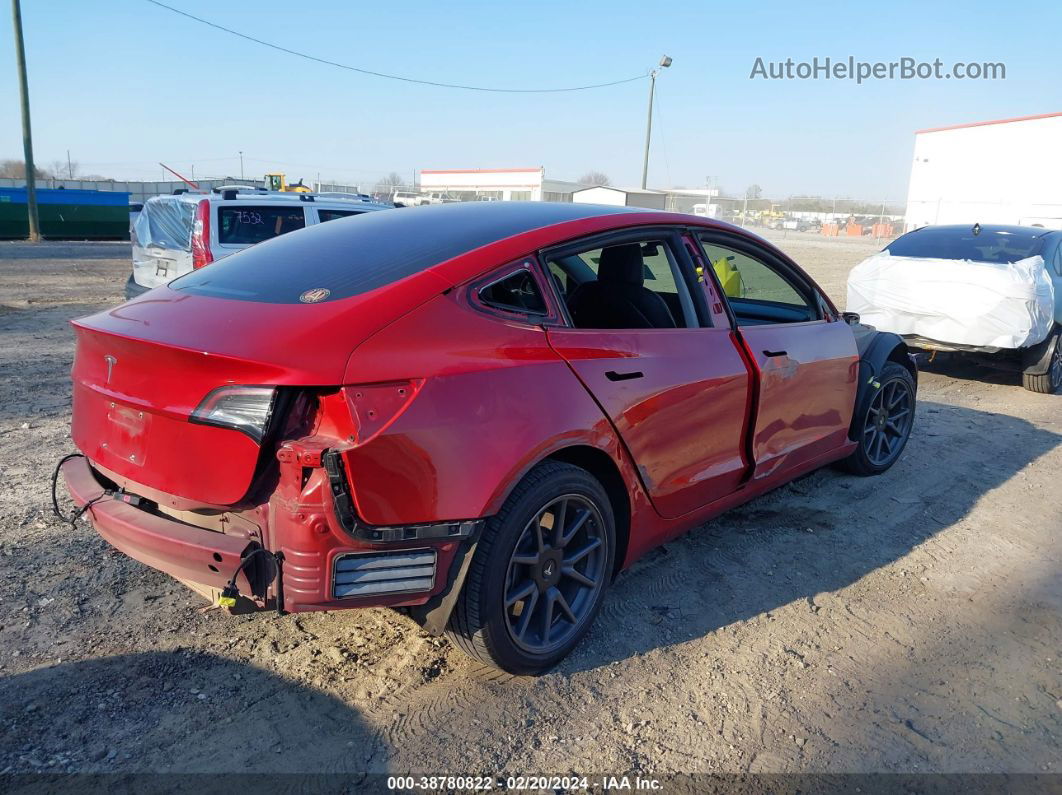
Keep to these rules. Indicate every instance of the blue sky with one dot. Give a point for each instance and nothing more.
(123, 84)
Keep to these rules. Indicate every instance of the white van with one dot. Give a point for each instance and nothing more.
(174, 235)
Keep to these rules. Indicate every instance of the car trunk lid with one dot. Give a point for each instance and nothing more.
(142, 368)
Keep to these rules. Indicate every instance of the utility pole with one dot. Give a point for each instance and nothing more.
(27, 135)
(241, 164)
(69, 166)
(648, 129)
(665, 62)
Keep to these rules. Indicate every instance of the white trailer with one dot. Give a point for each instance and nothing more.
(1007, 171)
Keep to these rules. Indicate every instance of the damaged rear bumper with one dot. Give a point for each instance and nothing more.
(190, 554)
(319, 570)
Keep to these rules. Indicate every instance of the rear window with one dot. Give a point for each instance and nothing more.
(246, 225)
(381, 248)
(1000, 246)
(165, 222)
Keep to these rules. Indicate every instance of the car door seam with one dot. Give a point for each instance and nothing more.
(753, 407)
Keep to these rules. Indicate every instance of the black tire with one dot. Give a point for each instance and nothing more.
(1048, 382)
(882, 430)
(483, 625)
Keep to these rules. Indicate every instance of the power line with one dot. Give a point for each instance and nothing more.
(390, 76)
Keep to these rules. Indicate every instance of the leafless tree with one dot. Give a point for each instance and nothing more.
(753, 192)
(16, 169)
(594, 178)
(64, 169)
(387, 185)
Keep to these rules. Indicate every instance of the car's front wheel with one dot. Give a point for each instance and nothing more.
(539, 572)
(885, 425)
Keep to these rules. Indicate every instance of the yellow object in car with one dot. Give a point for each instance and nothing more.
(729, 277)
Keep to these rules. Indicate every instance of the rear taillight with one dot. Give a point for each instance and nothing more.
(242, 408)
(201, 254)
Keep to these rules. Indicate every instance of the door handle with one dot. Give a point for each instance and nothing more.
(612, 375)
(775, 353)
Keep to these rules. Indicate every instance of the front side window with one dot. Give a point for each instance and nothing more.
(625, 285)
(246, 225)
(517, 292)
(758, 292)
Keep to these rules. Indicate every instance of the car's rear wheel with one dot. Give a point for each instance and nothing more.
(1050, 381)
(539, 572)
(886, 422)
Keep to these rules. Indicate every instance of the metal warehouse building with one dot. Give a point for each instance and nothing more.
(622, 197)
(1007, 171)
(500, 184)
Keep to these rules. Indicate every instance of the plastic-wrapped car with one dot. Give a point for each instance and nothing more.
(985, 290)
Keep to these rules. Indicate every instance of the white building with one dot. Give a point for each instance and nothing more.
(1007, 171)
(622, 197)
(497, 184)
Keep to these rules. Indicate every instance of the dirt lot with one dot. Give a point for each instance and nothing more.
(911, 622)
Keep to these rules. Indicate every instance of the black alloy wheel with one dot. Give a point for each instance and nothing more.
(555, 573)
(539, 572)
(888, 422)
(884, 427)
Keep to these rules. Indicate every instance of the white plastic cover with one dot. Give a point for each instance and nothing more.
(981, 304)
(166, 222)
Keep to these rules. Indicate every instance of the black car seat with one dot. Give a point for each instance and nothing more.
(619, 298)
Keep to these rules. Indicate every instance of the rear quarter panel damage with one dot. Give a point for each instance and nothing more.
(495, 400)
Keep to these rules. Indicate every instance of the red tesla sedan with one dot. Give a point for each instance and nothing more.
(479, 412)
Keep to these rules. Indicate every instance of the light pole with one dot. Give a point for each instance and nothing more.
(665, 62)
(241, 164)
(27, 135)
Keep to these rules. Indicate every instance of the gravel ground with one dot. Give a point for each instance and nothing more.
(907, 623)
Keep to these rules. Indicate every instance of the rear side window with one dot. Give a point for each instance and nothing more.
(331, 215)
(635, 284)
(517, 292)
(249, 225)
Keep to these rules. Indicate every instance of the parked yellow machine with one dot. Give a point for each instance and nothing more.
(277, 182)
